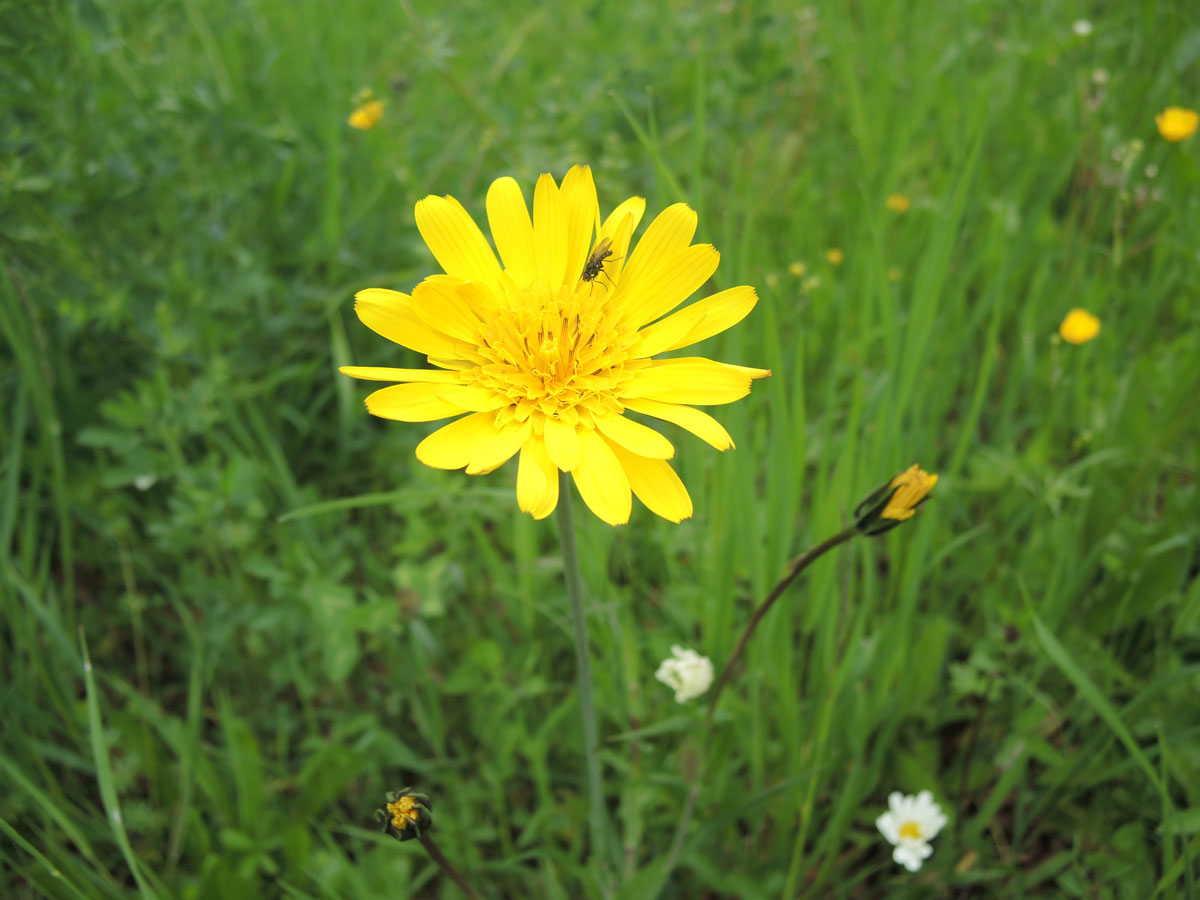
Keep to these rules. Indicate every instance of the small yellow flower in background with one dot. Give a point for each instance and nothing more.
(914, 485)
(898, 203)
(407, 814)
(544, 351)
(835, 256)
(797, 269)
(1079, 327)
(1177, 124)
(367, 116)
(772, 279)
(910, 823)
(894, 274)
(811, 283)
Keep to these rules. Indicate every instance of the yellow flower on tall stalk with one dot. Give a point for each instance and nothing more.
(898, 203)
(835, 256)
(545, 351)
(1177, 124)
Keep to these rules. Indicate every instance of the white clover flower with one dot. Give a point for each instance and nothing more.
(910, 824)
(686, 672)
(1082, 27)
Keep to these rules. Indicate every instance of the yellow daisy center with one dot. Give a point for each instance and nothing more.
(403, 811)
(555, 352)
(910, 830)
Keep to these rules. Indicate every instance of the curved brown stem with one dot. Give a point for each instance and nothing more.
(795, 567)
(456, 876)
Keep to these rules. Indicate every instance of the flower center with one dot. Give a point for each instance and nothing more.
(554, 352)
(403, 811)
(910, 830)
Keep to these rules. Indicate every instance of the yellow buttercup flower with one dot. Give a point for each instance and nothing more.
(898, 203)
(913, 486)
(797, 268)
(835, 256)
(367, 116)
(1079, 327)
(544, 351)
(1177, 124)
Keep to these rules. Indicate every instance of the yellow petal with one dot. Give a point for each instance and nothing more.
(635, 437)
(698, 422)
(455, 240)
(657, 291)
(382, 373)
(512, 229)
(479, 297)
(506, 441)
(582, 216)
(634, 206)
(668, 236)
(701, 320)
(426, 402)
(692, 380)
(601, 479)
(656, 484)
(619, 228)
(537, 480)
(455, 445)
(390, 314)
(439, 306)
(549, 231)
(562, 444)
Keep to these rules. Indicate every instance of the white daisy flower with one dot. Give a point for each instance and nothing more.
(686, 672)
(910, 824)
(1081, 27)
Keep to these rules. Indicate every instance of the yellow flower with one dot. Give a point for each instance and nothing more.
(897, 203)
(797, 269)
(1079, 327)
(367, 116)
(835, 256)
(545, 352)
(913, 486)
(894, 273)
(1176, 123)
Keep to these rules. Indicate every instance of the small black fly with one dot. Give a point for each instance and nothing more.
(594, 267)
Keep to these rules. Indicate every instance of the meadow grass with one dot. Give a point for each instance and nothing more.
(237, 611)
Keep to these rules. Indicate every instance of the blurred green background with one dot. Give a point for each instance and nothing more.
(287, 615)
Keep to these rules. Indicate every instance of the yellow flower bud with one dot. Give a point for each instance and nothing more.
(889, 505)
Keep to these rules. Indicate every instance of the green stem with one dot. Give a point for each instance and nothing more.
(587, 704)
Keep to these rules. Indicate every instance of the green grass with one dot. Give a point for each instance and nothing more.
(286, 615)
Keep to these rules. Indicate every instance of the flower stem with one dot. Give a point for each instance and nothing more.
(795, 567)
(456, 876)
(587, 705)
